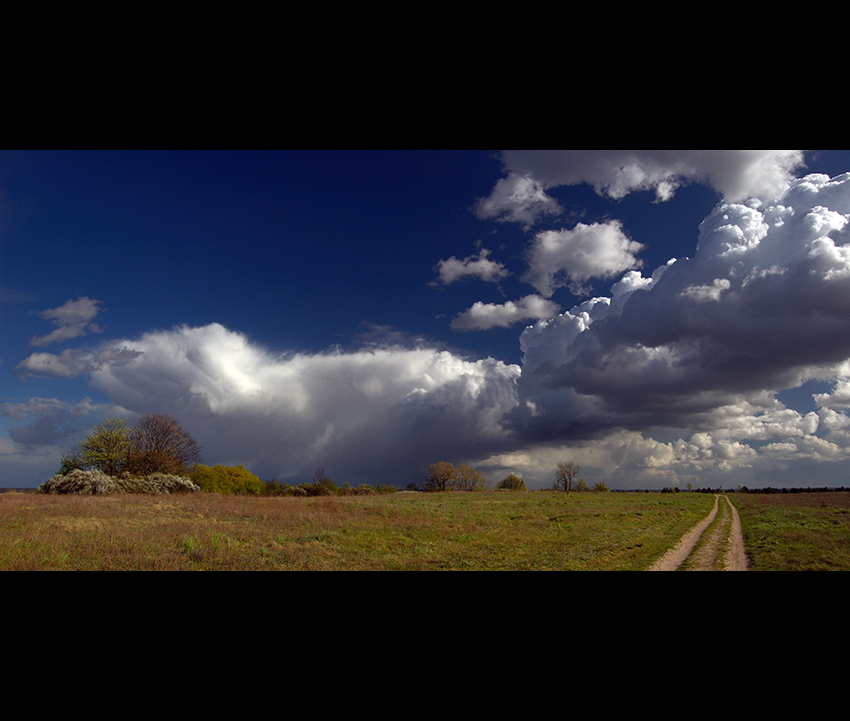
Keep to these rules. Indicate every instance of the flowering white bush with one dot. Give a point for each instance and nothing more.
(92, 483)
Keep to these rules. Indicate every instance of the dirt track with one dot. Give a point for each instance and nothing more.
(706, 558)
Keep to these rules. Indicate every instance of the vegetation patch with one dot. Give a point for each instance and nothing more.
(94, 483)
(487, 530)
(796, 531)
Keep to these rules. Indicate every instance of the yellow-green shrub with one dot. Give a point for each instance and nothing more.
(227, 480)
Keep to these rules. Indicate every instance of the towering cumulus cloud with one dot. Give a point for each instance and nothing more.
(380, 415)
(763, 305)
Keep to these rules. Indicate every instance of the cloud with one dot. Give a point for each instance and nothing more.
(474, 266)
(736, 174)
(73, 320)
(376, 415)
(71, 363)
(40, 422)
(672, 377)
(558, 258)
(522, 197)
(763, 305)
(517, 199)
(483, 316)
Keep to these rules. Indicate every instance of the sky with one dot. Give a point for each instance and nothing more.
(663, 318)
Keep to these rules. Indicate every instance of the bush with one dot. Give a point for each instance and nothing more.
(94, 483)
(512, 483)
(84, 483)
(158, 484)
(227, 480)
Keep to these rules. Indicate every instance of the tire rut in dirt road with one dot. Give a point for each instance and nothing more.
(707, 556)
(736, 557)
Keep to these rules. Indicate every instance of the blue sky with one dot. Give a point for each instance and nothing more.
(374, 311)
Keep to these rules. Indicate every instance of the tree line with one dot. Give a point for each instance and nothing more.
(157, 444)
(443, 476)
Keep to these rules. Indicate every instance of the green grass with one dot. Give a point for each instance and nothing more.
(403, 531)
(796, 531)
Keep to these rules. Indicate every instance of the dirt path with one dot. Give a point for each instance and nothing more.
(736, 557)
(706, 558)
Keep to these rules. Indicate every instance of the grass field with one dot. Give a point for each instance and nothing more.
(401, 531)
(492, 530)
(796, 531)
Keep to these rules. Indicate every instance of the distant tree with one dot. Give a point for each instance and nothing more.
(105, 449)
(512, 482)
(322, 484)
(441, 476)
(601, 487)
(566, 476)
(159, 444)
(470, 479)
(320, 478)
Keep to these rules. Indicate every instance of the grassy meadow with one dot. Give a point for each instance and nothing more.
(491, 530)
(796, 531)
(488, 531)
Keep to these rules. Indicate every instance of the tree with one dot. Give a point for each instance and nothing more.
(566, 476)
(70, 461)
(105, 449)
(580, 486)
(601, 487)
(512, 482)
(159, 444)
(470, 479)
(441, 476)
(322, 484)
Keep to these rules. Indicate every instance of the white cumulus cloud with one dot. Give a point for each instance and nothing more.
(522, 195)
(377, 415)
(478, 266)
(558, 258)
(483, 316)
(517, 199)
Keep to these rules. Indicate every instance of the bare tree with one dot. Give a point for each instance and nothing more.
(159, 444)
(566, 476)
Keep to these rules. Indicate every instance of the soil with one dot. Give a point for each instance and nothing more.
(706, 558)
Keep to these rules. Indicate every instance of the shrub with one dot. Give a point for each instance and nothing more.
(84, 483)
(227, 480)
(158, 484)
(93, 483)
